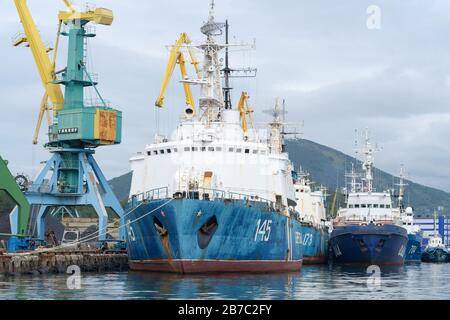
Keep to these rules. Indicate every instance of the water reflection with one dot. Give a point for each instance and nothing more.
(417, 281)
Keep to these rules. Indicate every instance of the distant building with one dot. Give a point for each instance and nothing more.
(442, 227)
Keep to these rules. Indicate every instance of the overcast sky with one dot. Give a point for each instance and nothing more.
(335, 73)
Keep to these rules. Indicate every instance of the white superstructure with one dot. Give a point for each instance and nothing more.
(407, 215)
(407, 218)
(436, 243)
(364, 205)
(210, 151)
(310, 204)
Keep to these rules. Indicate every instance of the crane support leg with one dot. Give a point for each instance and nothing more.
(91, 189)
(19, 217)
(109, 198)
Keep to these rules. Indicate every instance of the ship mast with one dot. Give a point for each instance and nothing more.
(214, 97)
(368, 151)
(227, 72)
(211, 99)
(401, 185)
(353, 176)
(276, 128)
(434, 222)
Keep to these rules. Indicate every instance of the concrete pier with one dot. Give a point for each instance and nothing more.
(58, 262)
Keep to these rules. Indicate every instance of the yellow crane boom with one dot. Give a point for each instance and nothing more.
(46, 68)
(176, 57)
(69, 5)
(40, 54)
(245, 111)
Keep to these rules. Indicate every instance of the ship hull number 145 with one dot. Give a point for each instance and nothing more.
(263, 230)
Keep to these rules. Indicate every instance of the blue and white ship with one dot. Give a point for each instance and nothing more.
(214, 196)
(368, 231)
(415, 234)
(315, 227)
(435, 251)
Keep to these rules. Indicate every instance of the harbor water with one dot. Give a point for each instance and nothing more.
(420, 281)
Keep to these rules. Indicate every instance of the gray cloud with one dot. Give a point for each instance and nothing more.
(334, 73)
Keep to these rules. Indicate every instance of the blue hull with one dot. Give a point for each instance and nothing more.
(369, 245)
(315, 244)
(197, 236)
(435, 255)
(414, 248)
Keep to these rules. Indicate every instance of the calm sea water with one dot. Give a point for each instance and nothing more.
(422, 281)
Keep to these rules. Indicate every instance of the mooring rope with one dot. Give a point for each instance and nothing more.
(92, 236)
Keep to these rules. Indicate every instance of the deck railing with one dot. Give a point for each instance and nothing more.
(202, 194)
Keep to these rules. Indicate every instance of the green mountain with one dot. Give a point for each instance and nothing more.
(121, 186)
(327, 167)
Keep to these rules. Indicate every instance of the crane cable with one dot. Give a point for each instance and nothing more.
(93, 235)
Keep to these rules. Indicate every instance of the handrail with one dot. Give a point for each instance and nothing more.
(199, 193)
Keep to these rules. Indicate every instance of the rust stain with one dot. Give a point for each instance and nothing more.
(107, 125)
(165, 241)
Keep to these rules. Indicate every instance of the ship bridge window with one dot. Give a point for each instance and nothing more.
(369, 206)
(363, 206)
(356, 206)
(350, 206)
(238, 150)
(169, 151)
(175, 150)
(161, 151)
(219, 149)
(155, 152)
(149, 153)
(255, 151)
(194, 148)
(187, 149)
(203, 149)
(231, 150)
(388, 206)
(247, 151)
(382, 206)
(211, 149)
(375, 206)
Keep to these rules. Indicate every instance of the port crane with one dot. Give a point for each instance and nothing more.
(177, 57)
(46, 67)
(19, 217)
(72, 177)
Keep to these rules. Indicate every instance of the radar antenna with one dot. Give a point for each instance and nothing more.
(212, 28)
